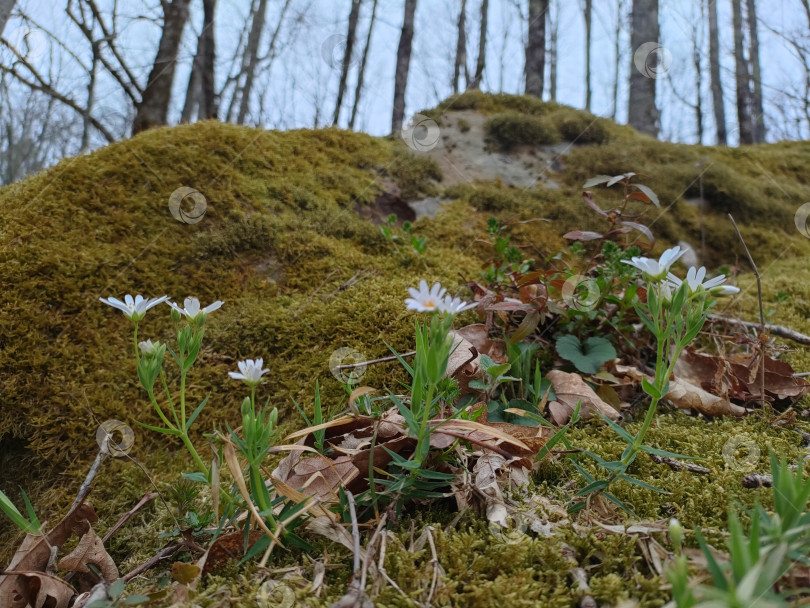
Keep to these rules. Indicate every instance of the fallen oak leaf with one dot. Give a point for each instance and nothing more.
(90, 550)
(570, 389)
(34, 552)
(685, 395)
(40, 590)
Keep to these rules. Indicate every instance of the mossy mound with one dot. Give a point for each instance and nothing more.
(302, 275)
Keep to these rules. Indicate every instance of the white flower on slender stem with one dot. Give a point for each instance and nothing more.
(424, 299)
(250, 371)
(655, 270)
(454, 305)
(148, 347)
(694, 279)
(724, 290)
(192, 307)
(134, 308)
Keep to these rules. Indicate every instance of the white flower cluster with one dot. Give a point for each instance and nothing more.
(658, 270)
(434, 298)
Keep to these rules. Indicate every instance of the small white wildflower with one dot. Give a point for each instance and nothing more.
(192, 307)
(695, 280)
(134, 308)
(250, 371)
(148, 347)
(724, 290)
(454, 306)
(424, 299)
(655, 270)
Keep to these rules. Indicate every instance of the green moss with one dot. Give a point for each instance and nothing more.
(579, 127)
(280, 244)
(510, 129)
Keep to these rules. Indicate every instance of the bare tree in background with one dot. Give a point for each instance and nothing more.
(153, 109)
(461, 49)
(714, 75)
(403, 65)
(553, 26)
(482, 47)
(200, 94)
(697, 54)
(351, 36)
(588, 13)
(642, 113)
(250, 60)
(617, 54)
(743, 78)
(536, 47)
(6, 6)
(756, 77)
(361, 72)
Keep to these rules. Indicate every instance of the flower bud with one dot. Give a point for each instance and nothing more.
(175, 315)
(676, 534)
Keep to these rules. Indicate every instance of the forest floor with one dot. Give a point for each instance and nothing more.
(294, 236)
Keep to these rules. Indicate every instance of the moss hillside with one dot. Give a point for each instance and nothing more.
(302, 275)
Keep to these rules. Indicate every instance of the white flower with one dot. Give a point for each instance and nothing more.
(147, 347)
(134, 308)
(251, 371)
(424, 299)
(454, 305)
(694, 278)
(655, 270)
(724, 290)
(192, 307)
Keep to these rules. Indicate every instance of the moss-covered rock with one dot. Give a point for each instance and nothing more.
(302, 275)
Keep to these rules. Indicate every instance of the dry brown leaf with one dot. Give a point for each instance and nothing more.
(90, 550)
(225, 547)
(478, 335)
(685, 395)
(40, 590)
(570, 389)
(35, 551)
(321, 477)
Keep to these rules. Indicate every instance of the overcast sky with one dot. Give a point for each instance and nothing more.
(301, 84)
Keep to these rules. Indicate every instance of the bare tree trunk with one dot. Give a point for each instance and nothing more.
(153, 108)
(91, 95)
(553, 26)
(208, 100)
(461, 46)
(758, 118)
(482, 47)
(697, 53)
(588, 16)
(403, 65)
(536, 47)
(617, 53)
(250, 59)
(6, 6)
(361, 72)
(746, 125)
(351, 36)
(714, 71)
(642, 113)
(193, 90)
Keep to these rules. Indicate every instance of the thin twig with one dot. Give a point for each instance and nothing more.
(145, 499)
(103, 451)
(435, 561)
(677, 465)
(373, 361)
(153, 561)
(776, 330)
(761, 308)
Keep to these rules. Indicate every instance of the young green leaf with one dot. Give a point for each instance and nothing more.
(587, 358)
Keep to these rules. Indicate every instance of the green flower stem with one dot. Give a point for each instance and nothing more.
(168, 424)
(183, 397)
(424, 431)
(169, 397)
(200, 464)
(260, 494)
(137, 355)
